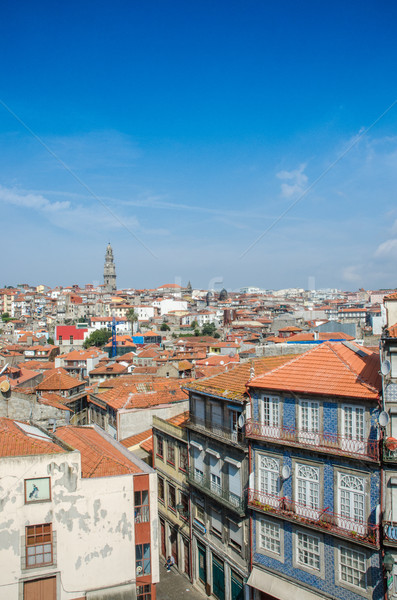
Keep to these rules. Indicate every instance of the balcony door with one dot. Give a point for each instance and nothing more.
(269, 416)
(353, 429)
(269, 480)
(351, 491)
(308, 491)
(309, 422)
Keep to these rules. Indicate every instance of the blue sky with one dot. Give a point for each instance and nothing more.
(182, 131)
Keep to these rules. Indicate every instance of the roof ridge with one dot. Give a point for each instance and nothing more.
(361, 379)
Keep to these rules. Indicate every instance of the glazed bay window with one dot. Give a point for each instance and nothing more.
(270, 536)
(143, 592)
(160, 488)
(142, 552)
(142, 507)
(308, 550)
(352, 567)
(38, 545)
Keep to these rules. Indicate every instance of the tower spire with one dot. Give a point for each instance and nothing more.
(109, 271)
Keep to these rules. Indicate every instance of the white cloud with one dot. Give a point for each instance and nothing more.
(350, 274)
(31, 200)
(387, 249)
(298, 181)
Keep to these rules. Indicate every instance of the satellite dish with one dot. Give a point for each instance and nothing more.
(241, 421)
(285, 472)
(5, 386)
(384, 419)
(385, 367)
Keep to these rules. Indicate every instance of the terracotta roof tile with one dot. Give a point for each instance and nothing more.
(14, 441)
(232, 383)
(332, 368)
(99, 458)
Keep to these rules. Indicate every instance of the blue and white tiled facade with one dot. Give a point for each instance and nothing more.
(317, 550)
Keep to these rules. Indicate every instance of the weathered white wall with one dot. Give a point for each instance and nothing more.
(131, 422)
(92, 521)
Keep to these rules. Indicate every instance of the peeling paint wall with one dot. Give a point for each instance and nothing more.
(131, 422)
(92, 521)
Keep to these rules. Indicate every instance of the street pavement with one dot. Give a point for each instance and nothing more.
(174, 586)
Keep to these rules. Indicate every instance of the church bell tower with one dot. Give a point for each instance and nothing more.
(109, 271)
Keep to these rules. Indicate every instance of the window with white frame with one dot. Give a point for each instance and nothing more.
(309, 416)
(308, 550)
(269, 411)
(215, 474)
(353, 422)
(308, 485)
(198, 464)
(269, 470)
(352, 567)
(351, 491)
(270, 536)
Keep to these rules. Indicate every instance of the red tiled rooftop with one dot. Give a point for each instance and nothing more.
(332, 368)
(232, 383)
(59, 380)
(99, 458)
(14, 441)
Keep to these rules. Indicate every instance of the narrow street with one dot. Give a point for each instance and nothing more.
(174, 586)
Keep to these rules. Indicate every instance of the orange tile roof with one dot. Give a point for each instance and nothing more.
(99, 458)
(59, 380)
(54, 400)
(147, 445)
(179, 420)
(134, 440)
(392, 330)
(14, 441)
(332, 368)
(106, 369)
(232, 383)
(129, 397)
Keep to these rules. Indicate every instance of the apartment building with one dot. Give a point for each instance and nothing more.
(315, 479)
(218, 478)
(78, 519)
(170, 459)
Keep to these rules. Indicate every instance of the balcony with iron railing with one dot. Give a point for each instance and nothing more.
(390, 532)
(221, 432)
(331, 443)
(217, 492)
(357, 530)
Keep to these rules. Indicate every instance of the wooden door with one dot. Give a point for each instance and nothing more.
(40, 589)
(186, 552)
(174, 545)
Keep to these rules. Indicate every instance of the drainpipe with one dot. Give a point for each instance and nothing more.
(249, 473)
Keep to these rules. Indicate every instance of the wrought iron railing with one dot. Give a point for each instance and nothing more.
(204, 483)
(389, 455)
(322, 441)
(390, 531)
(228, 433)
(322, 518)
